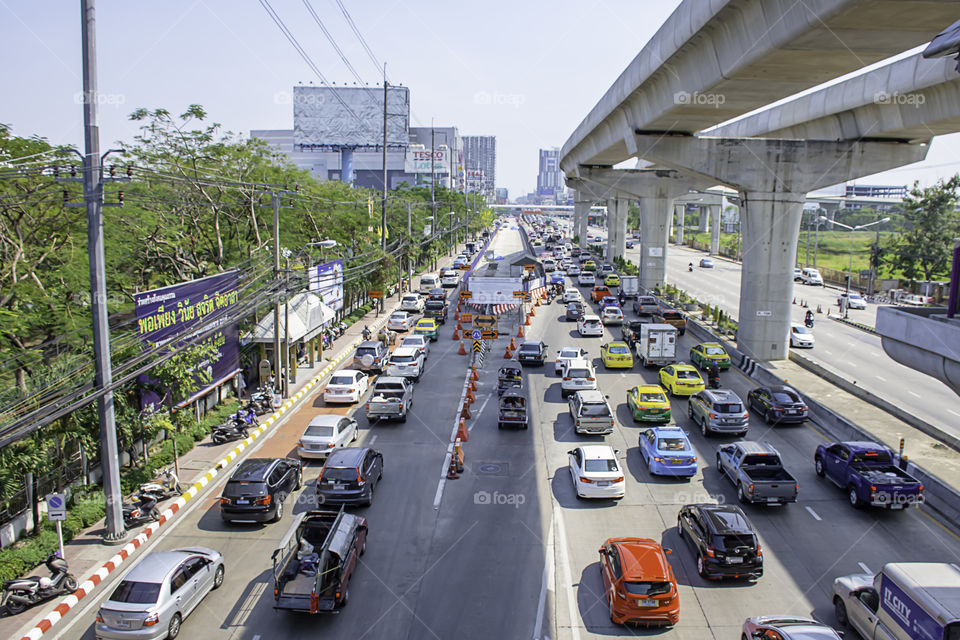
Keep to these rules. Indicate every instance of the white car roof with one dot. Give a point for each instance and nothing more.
(348, 372)
(577, 349)
(400, 314)
(588, 318)
(598, 452)
(413, 339)
(405, 351)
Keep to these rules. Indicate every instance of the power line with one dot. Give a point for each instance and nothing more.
(333, 42)
(363, 42)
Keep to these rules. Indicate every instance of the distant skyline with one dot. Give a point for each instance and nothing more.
(526, 73)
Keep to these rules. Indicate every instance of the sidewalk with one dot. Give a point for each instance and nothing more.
(86, 554)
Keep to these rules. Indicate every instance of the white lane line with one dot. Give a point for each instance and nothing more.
(814, 514)
(954, 412)
(881, 378)
(538, 626)
(449, 456)
(865, 568)
(828, 352)
(372, 439)
(480, 411)
(916, 395)
(567, 576)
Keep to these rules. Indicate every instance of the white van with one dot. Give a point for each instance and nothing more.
(811, 276)
(905, 601)
(429, 281)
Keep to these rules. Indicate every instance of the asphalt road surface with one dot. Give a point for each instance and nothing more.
(507, 551)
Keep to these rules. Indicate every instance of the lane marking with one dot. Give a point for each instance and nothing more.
(373, 439)
(541, 602)
(880, 378)
(828, 352)
(865, 568)
(814, 514)
(954, 412)
(480, 411)
(567, 576)
(917, 395)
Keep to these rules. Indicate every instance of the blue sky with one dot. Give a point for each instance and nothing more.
(527, 72)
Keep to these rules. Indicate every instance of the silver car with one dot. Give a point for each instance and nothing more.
(158, 593)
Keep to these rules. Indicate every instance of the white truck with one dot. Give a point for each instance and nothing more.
(630, 286)
(657, 345)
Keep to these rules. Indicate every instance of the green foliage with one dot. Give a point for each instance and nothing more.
(924, 248)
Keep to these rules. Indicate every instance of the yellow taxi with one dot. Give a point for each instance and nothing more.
(681, 379)
(648, 403)
(612, 280)
(706, 352)
(427, 327)
(616, 355)
(590, 265)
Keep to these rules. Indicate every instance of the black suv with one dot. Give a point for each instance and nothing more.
(349, 476)
(724, 540)
(256, 490)
(532, 353)
(436, 309)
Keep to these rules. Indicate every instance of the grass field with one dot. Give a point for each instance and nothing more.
(833, 248)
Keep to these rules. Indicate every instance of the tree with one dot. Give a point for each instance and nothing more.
(925, 247)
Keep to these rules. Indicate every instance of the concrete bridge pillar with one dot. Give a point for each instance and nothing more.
(681, 215)
(617, 208)
(714, 229)
(703, 224)
(655, 214)
(581, 211)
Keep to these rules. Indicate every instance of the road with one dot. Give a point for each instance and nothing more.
(854, 354)
(509, 552)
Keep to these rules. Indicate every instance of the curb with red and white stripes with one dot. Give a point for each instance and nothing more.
(88, 585)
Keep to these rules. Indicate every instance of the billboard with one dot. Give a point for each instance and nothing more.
(327, 280)
(182, 310)
(321, 119)
(418, 160)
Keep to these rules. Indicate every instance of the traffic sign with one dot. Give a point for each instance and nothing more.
(465, 318)
(485, 321)
(529, 267)
(489, 334)
(375, 293)
(465, 294)
(56, 507)
(519, 294)
(477, 346)
(476, 335)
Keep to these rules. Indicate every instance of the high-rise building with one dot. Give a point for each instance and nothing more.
(550, 178)
(503, 196)
(480, 159)
(446, 145)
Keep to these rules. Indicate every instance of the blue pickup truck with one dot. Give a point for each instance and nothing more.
(868, 473)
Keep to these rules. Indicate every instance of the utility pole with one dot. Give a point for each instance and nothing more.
(275, 204)
(433, 175)
(383, 200)
(93, 194)
(807, 263)
(410, 246)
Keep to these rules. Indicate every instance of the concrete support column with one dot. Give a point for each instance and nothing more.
(704, 222)
(581, 211)
(681, 220)
(617, 209)
(655, 216)
(714, 229)
(771, 226)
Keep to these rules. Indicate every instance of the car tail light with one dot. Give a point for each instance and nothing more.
(796, 488)
(578, 423)
(351, 390)
(224, 500)
(657, 459)
(368, 406)
(921, 488)
(713, 416)
(693, 460)
(750, 488)
(586, 480)
(567, 379)
(331, 445)
(151, 620)
(759, 550)
(620, 479)
(711, 552)
(300, 443)
(276, 592)
(401, 406)
(778, 409)
(99, 617)
(591, 379)
(264, 501)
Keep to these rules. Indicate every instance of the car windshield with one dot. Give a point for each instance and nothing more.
(872, 457)
(715, 351)
(591, 323)
(413, 343)
(578, 373)
(409, 298)
(687, 374)
(399, 316)
(619, 348)
(731, 542)
(339, 473)
(613, 311)
(569, 353)
(530, 347)
(672, 315)
(672, 444)
(236, 488)
(647, 588)
(318, 431)
(136, 592)
(435, 305)
(401, 359)
(651, 397)
(600, 466)
(730, 407)
(800, 330)
(785, 396)
(595, 409)
(341, 380)
(855, 296)
(366, 351)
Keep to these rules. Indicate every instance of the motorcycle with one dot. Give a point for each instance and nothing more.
(713, 380)
(141, 508)
(236, 427)
(166, 486)
(690, 267)
(24, 592)
(808, 322)
(261, 400)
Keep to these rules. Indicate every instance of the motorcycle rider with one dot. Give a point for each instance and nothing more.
(366, 332)
(808, 320)
(713, 374)
(690, 266)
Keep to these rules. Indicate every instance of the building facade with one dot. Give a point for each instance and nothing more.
(550, 177)
(480, 159)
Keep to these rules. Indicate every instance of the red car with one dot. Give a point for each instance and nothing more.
(639, 582)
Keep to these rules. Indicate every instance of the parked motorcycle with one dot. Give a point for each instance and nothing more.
(25, 592)
(235, 428)
(141, 508)
(165, 486)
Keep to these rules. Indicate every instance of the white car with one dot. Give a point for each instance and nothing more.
(800, 336)
(421, 343)
(405, 362)
(412, 302)
(399, 321)
(346, 385)
(568, 353)
(326, 433)
(449, 278)
(573, 269)
(811, 276)
(612, 315)
(587, 279)
(577, 375)
(596, 473)
(854, 300)
(797, 274)
(589, 325)
(570, 295)
(549, 265)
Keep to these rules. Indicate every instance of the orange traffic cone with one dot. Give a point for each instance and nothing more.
(462, 433)
(527, 321)
(463, 349)
(533, 310)
(470, 397)
(456, 316)
(520, 331)
(473, 373)
(473, 384)
(536, 301)
(459, 326)
(456, 334)
(513, 344)
(452, 470)
(508, 355)
(465, 413)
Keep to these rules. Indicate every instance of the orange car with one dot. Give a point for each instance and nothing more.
(600, 292)
(639, 582)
